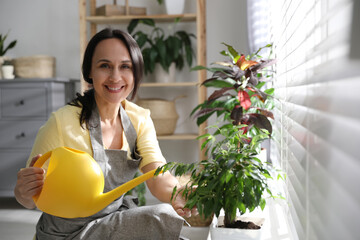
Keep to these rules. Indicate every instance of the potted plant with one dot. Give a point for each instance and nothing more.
(232, 178)
(7, 69)
(173, 6)
(4, 48)
(159, 48)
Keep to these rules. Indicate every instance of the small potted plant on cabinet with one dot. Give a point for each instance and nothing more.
(7, 69)
(161, 51)
(232, 178)
(4, 48)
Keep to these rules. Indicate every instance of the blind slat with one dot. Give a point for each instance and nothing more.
(317, 113)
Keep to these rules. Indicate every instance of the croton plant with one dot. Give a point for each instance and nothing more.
(232, 177)
(239, 97)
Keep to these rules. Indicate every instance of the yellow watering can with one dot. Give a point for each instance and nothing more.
(74, 184)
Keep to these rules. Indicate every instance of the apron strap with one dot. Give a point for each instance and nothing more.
(95, 130)
(129, 130)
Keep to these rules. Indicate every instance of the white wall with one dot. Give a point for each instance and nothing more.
(52, 28)
(44, 27)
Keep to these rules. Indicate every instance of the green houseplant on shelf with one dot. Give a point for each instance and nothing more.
(232, 177)
(157, 47)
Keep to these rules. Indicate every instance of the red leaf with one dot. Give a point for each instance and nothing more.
(244, 99)
(236, 114)
(219, 93)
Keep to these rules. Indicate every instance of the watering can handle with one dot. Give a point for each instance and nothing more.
(40, 162)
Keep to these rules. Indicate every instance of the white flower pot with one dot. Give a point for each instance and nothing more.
(162, 76)
(7, 71)
(195, 233)
(174, 6)
(222, 233)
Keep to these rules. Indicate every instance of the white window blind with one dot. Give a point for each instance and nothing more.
(317, 115)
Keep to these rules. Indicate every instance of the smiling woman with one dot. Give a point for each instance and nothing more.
(120, 136)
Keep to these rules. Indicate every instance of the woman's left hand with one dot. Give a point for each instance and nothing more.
(178, 203)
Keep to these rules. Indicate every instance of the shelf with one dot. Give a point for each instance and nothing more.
(188, 17)
(178, 137)
(88, 26)
(173, 84)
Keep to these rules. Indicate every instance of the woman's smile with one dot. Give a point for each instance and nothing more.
(115, 89)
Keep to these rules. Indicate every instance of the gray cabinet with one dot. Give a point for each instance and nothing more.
(25, 105)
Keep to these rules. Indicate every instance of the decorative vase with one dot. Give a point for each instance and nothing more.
(162, 76)
(174, 6)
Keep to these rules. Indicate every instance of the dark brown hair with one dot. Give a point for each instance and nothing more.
(87, 101)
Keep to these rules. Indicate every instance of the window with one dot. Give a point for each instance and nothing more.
(317, 116)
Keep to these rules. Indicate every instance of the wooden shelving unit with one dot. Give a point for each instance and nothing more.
(191, 17)
(178, 137)
(176, 84)
(89, 22)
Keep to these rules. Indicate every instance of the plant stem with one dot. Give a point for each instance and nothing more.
(227, 219)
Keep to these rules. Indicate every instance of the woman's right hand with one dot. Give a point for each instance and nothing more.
(29, 183)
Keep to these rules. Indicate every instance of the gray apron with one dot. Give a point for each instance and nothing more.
(122, 219)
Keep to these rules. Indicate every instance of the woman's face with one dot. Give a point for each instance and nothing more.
(111, 72)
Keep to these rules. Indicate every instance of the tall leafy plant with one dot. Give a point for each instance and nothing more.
(162, 48)
(232, 177)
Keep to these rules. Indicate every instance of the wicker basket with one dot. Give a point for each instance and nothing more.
(163, 113)
(37, 66)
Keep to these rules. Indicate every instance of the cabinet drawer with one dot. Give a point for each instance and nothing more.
(18, 134)
(23, 102)
(11, 162)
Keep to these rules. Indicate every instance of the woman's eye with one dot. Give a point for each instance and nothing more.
(104, 65)
(125, 66)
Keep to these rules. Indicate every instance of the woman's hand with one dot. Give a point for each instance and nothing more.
(162, 187)
(178, 204)
(29, 183)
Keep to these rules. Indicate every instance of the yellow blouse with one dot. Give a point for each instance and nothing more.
(63, 129)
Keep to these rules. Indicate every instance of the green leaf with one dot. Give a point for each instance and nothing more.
(241, 207)
(232, 52)
(221, 83)
(269, 91)
(260, 85)
(198, 67)
(132, 25)
(148, 21)
(203, 118)
(228, 177)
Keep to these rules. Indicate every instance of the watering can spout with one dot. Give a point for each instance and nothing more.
(105, 199)
(74, 184)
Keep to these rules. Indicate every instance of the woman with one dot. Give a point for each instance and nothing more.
(121, 138)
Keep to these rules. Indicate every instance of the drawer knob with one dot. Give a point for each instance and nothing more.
(21, 135)
(21, 102)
